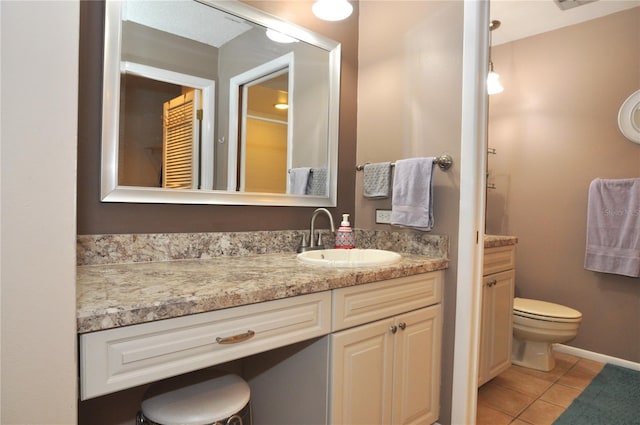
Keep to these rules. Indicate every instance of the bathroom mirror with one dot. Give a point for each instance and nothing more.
(190, 97)
(629, 117)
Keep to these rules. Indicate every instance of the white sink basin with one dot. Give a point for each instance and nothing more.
(349, 257)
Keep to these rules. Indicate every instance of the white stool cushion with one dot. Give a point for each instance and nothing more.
(197, 404)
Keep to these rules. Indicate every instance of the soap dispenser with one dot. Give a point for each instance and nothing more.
(345, 239)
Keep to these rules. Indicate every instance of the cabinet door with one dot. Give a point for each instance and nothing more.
(416, 381)
(497, 324)
(361, 365)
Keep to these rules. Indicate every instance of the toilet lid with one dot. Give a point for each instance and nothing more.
(544, 310)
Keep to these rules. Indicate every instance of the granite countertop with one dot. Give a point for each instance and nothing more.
(116, 295)
(492, 241)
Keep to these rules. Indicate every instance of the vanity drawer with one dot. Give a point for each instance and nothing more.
(499, 259)
(356, 305)
(121, 358)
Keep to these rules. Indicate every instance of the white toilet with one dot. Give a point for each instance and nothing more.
(537, 325)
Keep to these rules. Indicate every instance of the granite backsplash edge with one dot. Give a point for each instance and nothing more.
(150, 247)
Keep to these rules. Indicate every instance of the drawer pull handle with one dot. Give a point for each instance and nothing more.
(236, 338)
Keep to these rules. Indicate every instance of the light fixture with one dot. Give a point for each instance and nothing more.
(332, 10)
(279, 37)
(493, 78)
(493, 81)
(281, 106)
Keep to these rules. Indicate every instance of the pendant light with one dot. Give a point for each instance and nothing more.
(493, 78)
(332, 10)
(494, 86)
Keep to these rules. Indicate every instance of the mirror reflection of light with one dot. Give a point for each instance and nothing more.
(281, 106)
(332, 10)
(279, 37)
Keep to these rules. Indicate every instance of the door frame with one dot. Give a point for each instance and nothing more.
(237, 112)
(207, 88)
(473, 146)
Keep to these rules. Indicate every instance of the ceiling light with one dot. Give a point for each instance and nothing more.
(279, 37)
(332, 10)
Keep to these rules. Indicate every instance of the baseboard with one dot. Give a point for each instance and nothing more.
(585, 354)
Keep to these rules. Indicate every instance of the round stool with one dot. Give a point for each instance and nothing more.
(219, 401)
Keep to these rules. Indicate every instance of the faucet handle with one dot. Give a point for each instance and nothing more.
(319, 243)
(304, 244)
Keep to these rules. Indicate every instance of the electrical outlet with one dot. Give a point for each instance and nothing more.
(383, 216)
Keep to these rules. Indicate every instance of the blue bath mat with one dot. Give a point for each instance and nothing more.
(612, 398)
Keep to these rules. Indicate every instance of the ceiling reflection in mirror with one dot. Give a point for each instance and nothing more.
(217, 102)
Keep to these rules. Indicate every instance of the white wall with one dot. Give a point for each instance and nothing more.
(39, 45)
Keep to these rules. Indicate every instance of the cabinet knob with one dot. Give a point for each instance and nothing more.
(491, 283)
(402, 325)
(393, 329)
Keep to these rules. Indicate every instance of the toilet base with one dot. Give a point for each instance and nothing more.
(533, 354)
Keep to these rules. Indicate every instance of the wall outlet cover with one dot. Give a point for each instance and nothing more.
(383, 216)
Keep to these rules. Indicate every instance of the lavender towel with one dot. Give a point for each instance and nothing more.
(613, 227)
(412, 198)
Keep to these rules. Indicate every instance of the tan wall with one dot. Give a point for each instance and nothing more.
(409, 104)
(39, 113)
(555, 130)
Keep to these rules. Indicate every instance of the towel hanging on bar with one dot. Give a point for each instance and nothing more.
(412, 199)
(376, 181)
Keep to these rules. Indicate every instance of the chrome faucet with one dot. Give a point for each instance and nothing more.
(315, 243)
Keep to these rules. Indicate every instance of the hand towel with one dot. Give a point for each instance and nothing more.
(298, 179)
(376, 180)
(317, 182)
(412, 198)
(613, 227)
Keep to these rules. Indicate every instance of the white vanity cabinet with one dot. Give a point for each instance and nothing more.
(120, 358)
(498, 284)
(368, 353)
(385, 352)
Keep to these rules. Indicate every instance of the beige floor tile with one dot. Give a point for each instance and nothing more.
(519, 422)
(503, 399)
(589, 366)
(541, 413)
(565, 361)
(580, 375)
(560, 395)
(551, 376)
(488, 416)
(516, 379)
(543, 399)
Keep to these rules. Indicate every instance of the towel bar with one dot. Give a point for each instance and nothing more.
(443, 161)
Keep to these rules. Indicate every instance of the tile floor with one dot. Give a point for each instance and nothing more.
(521, 396)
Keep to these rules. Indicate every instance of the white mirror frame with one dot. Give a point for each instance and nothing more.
(626, 118)
(112, 192)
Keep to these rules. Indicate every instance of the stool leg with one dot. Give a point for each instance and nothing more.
(140, 419)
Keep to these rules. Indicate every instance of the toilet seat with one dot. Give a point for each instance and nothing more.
(545, 311)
